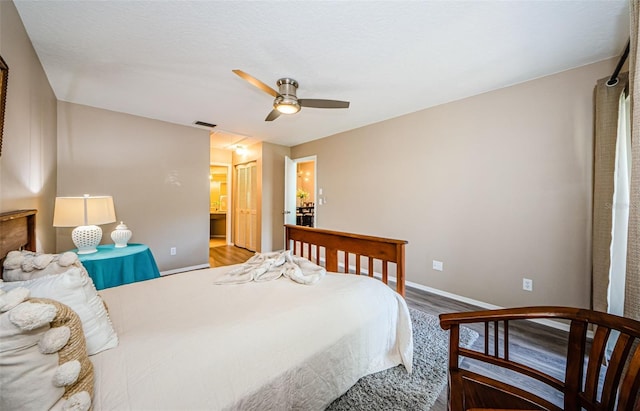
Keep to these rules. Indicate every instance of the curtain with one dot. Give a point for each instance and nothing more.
(620, 212)
(606, 126)
(632, 281)
(607, 101)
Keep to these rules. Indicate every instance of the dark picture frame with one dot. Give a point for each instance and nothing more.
(4, 77)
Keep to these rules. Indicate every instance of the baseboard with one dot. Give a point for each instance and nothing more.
(456, 297)
(477, 303)
(487, 306)
(184, 269)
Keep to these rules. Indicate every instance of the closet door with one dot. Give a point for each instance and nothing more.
(247, 207)
(252, 209)
(241, 205)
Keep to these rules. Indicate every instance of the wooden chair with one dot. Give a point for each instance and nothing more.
(591, 382)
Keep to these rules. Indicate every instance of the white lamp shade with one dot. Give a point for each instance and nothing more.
(87, 210)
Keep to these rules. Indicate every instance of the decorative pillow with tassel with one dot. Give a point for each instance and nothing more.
(43, 355)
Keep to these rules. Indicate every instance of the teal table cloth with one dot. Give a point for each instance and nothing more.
(111, 266)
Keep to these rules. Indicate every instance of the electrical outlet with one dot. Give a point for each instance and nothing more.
(438, 265)
(174, 251)
(527, 284)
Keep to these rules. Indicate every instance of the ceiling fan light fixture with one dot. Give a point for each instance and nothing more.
(286, 105)
(288, 108)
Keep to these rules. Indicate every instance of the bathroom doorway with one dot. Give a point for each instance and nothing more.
(219, 201)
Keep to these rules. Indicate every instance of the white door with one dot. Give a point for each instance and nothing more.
(289, 191)
(247, 206)
(252, 210)
(241, 206)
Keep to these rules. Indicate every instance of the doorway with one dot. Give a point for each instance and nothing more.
(219, 200)
(300, 191)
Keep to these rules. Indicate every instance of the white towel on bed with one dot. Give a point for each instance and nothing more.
(271, 266)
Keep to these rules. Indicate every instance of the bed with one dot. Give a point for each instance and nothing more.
(187, 343)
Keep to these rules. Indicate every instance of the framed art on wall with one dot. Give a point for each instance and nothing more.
(4, 76)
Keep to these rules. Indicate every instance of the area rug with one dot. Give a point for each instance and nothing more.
(394, 389)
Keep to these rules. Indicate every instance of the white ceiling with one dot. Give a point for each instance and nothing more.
(172, 60)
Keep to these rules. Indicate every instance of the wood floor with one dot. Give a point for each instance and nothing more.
(228, 255)
(532, 344)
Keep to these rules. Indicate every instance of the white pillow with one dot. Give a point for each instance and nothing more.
(75, 289)
(25, 379)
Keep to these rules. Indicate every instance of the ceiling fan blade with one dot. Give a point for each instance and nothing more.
(254, 81)
(273, 115)
(319, 103)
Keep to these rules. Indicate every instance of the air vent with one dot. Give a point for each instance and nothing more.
(204, 124)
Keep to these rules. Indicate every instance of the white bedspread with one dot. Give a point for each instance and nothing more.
(187, 344)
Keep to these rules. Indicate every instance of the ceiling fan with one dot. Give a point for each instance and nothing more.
(286, 101)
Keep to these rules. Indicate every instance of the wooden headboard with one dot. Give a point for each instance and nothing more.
(336, 247)
(17, 232)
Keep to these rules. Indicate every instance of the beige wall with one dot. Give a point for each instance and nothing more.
(28, 160)
(157, 173)
(496, 186)
(219, 156)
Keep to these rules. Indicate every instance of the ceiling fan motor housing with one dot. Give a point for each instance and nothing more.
(287, 102)
(287, 86)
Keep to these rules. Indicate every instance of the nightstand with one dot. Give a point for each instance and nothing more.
(111, 267)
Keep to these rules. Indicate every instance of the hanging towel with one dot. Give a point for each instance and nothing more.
(271, 266)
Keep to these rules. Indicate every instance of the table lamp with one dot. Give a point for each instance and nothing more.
(85, 214)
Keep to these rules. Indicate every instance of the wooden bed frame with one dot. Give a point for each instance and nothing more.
(17, 232)
(335, 248)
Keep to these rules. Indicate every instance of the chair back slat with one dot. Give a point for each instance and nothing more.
(598, 348)
(615, 368)
(575, 364)
(631, 382)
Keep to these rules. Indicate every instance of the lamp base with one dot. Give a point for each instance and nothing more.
(86, 238)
